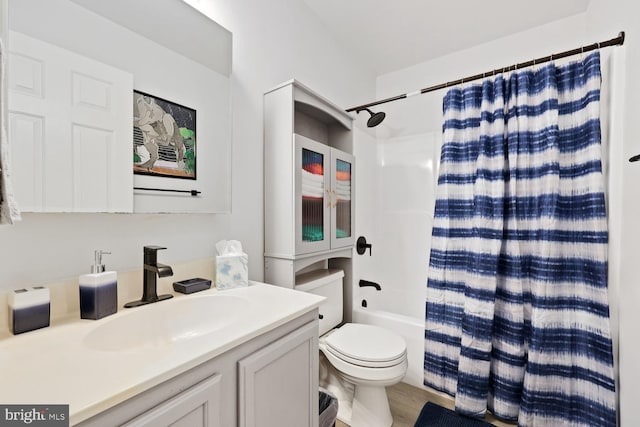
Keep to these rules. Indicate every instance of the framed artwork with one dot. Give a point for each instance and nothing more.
(164, 137)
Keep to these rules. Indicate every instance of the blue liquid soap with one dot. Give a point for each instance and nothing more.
(98, 291)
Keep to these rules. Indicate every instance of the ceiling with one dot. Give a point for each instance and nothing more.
(389, 35)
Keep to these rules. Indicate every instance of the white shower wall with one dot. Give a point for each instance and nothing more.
(396, 182)
(405, 184)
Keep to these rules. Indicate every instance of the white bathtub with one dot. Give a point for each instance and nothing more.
(410, 328)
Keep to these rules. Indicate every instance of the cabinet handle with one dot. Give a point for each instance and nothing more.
(328, 198)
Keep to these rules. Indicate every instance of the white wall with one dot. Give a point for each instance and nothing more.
(273, 41)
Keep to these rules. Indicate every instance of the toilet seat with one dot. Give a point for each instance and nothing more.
(366, 345)
(366, 354)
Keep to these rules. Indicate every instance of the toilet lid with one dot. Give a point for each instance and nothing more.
(367, 344)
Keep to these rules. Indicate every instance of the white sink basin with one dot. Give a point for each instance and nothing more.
(156, 326)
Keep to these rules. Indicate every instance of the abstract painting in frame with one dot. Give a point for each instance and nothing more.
(164, 137)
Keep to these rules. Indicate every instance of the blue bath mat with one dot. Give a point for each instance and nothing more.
(433, 415)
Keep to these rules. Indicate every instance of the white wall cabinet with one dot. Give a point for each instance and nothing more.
(271, 380)
(309, 183)
(323, 197)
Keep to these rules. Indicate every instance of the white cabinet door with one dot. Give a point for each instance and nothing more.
(312, 197)
(343, 199)
(324, 197)
(278, 385)
(198, 406)
(70, 130)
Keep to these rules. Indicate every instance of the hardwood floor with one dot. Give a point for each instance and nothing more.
(406, 402)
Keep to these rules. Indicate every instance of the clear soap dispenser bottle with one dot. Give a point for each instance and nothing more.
(98, 290)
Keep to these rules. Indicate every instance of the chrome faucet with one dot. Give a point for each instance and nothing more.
(151, 271)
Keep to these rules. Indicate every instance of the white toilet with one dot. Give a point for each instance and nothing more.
(363, 359)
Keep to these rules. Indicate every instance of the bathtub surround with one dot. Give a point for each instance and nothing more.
(519, 248)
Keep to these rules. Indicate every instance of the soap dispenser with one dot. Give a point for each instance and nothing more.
(98, 290)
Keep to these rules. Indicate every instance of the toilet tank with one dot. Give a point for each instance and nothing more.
(326, 283)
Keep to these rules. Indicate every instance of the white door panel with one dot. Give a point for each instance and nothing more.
(74, 116)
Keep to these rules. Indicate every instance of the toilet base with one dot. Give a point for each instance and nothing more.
(370, 407)
(343, 390)
(359, 405)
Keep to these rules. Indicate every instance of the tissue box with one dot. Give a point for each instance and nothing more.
(232, 271)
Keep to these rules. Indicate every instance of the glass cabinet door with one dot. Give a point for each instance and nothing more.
(313, 201)
(343, 202)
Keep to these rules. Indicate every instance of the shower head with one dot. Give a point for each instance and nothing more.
(375, 119)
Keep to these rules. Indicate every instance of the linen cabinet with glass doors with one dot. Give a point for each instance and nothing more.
(309, 184)
(323, 193)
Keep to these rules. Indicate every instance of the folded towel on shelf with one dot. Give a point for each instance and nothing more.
(311, 191)
(311, 178)
(343, 190)
(343, 195)
(312, 233)
(343, 186)
(314, 184)
(341, 234)
(343, 176)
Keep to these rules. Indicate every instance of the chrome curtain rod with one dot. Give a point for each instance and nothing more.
(617, 41)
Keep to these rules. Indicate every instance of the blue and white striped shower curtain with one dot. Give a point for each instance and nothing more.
(517, 309)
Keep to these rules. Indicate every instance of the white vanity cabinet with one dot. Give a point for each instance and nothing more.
(271, 380)
(309, 175)
(274, 382)
(198, 406)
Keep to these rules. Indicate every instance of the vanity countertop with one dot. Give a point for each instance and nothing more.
(66, 364)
